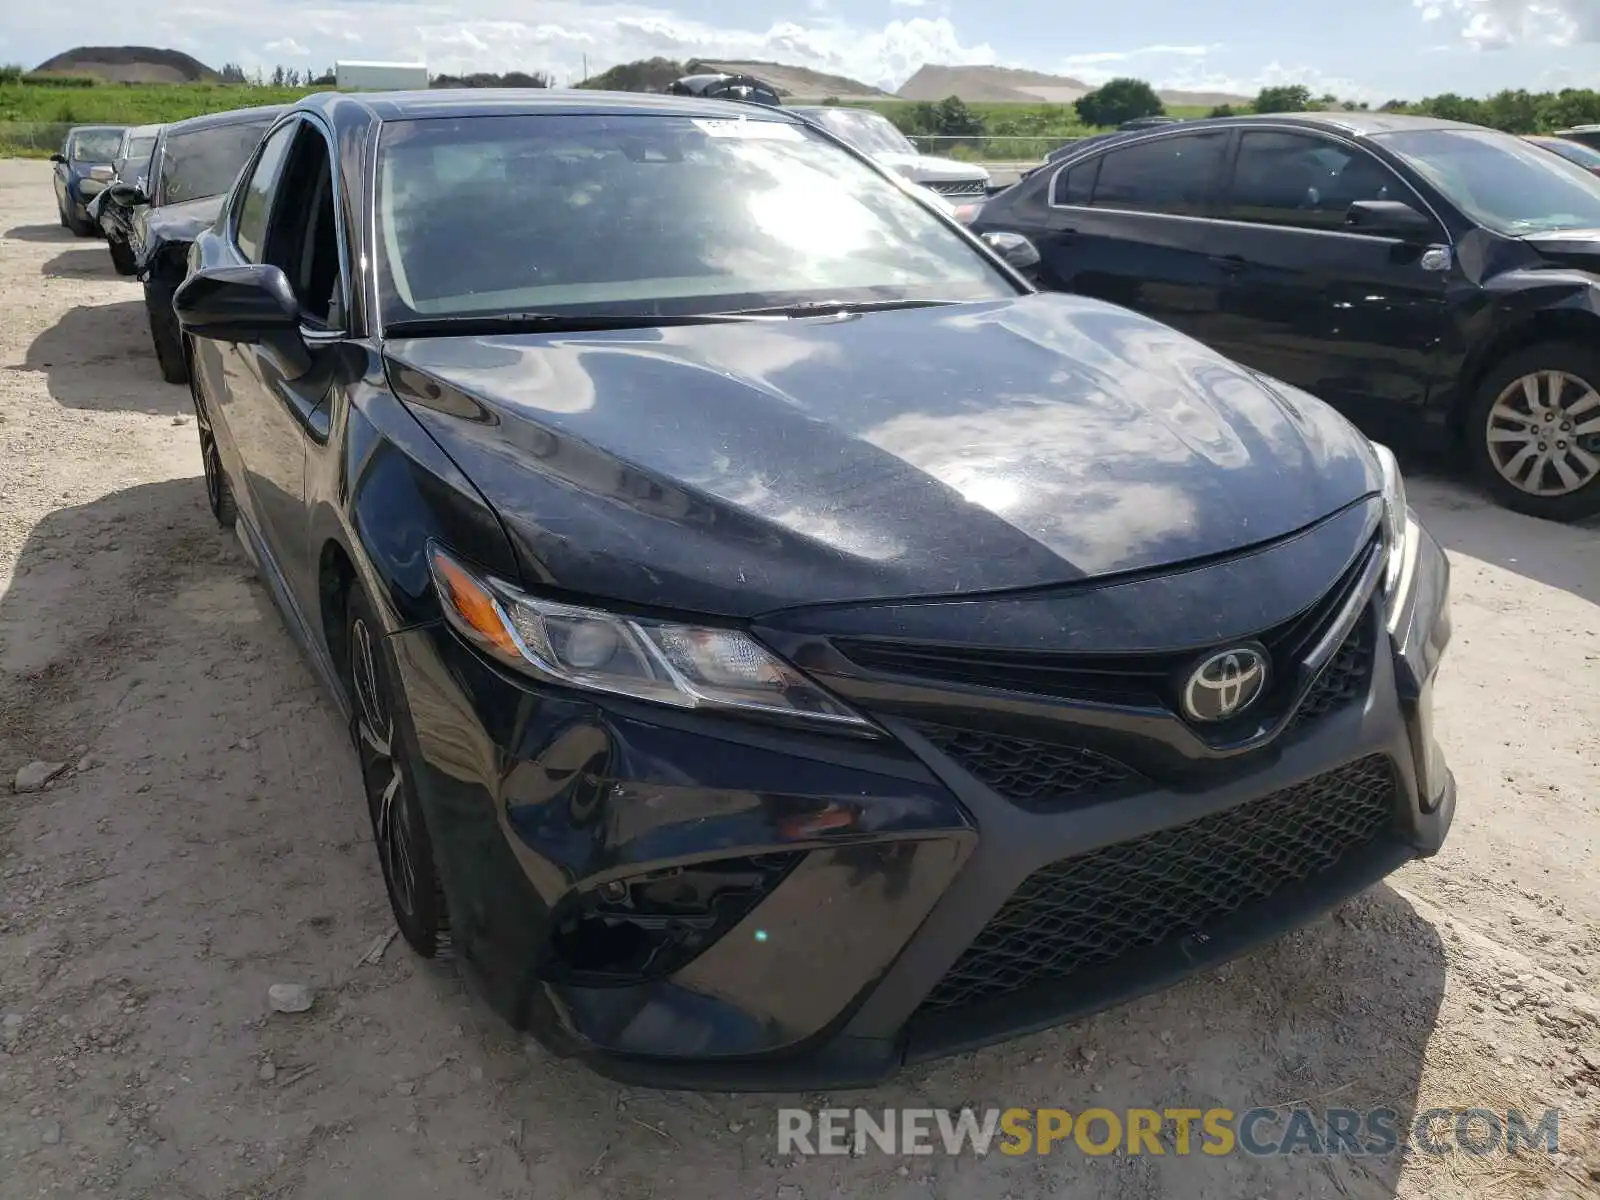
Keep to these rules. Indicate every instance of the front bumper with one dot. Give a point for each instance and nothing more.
(880, 870)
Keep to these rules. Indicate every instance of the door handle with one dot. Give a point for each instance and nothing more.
(1232, 264)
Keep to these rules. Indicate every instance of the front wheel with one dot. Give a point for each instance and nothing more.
(1534, 427)
(219, 495)
(405, 850)
(81, 226)
(121, 255)
(165, 334)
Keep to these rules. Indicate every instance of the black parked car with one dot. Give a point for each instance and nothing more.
(726, 87)
(1423, 276)
(131, 166)
(82, 169)
(192, 166)
(778, 642)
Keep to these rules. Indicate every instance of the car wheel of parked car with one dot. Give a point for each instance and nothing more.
(405, 851)
(165, 333)
(81, 226)
(1535, 431)
(121, 255)
(219, 494)
(61, 212)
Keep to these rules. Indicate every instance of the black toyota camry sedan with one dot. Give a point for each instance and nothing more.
(779, 644)
(192, 166)
(1433, 280)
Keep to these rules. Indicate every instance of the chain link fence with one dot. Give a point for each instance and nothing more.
(31, 139)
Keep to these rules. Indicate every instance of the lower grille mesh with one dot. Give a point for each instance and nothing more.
(1092, 910)
(1038, 776)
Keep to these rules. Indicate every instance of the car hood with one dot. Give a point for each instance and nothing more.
(924, 168)
(1568, 247)
(740, 468)
(183, 222)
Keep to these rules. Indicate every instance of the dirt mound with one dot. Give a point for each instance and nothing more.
(800, 82)
(129, 64)
(999, 85)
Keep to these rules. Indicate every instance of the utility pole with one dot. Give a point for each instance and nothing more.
(586, 68)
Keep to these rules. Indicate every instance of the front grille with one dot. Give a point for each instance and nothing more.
(1038, 776)
(959, 187)
(1133, 680)
(1094, 909)
(1346, 677)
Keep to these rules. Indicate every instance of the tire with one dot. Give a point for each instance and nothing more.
(165, 334)
(80, 226)
(1514, 470)
(399, 831)
(219, 493)
(61, 212)
(121, 255)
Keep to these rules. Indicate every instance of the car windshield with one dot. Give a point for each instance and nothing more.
(95, 145)
(1503, 182)
(204, 162)
(869, 132)
(1585, 156)
(649, 215)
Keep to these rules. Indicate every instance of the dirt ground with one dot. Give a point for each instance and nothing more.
(207, 840)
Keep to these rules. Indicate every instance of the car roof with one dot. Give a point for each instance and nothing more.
(134, 131)
(233, 116)
(97, 129)
(1356, 122)
(502, 102)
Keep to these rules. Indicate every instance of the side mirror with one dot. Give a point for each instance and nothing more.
(58, 157)
(1388, 218)
(131, 195)
(1017, 250)
(252, 304)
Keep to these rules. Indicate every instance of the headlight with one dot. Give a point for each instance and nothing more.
(1398, 543)
(685, 666)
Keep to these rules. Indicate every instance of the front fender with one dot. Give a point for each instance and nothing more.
(387, 490)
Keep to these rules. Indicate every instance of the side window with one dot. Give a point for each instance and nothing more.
(302, 239)
(250, 226)
(1163, 175)
(1076, 184)
(1304, 181)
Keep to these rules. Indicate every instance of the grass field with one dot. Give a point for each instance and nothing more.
(34, 118)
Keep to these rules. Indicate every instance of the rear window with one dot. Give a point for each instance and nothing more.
(1162, 175)
(651, 215)
(205, 162)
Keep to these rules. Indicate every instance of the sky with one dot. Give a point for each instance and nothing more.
(1356, 49)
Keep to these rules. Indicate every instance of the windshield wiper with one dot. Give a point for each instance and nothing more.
(550, 322)
(824, 308)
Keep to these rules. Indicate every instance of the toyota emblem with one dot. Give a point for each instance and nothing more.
(1225, 684)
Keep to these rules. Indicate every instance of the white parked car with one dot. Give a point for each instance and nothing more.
(873, 133)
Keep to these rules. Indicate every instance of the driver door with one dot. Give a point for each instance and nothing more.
(1353, 318)
(285, 217)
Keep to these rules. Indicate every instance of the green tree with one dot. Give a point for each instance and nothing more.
(1117, 101)
(1295, 97)
(955, 119)
(1222, 110)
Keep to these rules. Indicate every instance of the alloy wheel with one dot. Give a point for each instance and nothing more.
(382, 772)
(1543, 433)
(210, 460)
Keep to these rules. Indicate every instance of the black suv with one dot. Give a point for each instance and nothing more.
(1427, 275)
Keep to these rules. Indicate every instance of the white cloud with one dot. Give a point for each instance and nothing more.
(501, 35)
(287, 46)
(908, 3)
(1496, 24)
